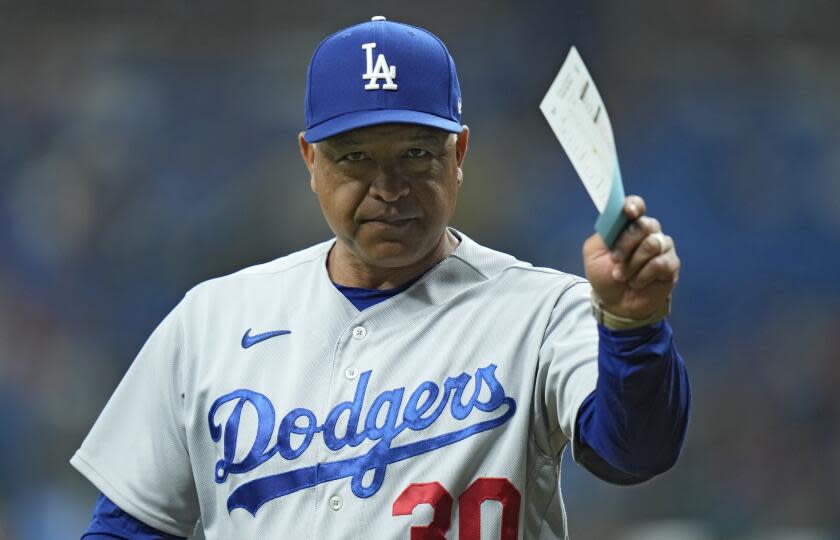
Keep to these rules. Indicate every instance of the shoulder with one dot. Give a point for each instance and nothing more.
(507, 270)
(286, 263)
(262, 278)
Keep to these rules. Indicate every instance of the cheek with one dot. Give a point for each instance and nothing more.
(443, 194)
(339, 201)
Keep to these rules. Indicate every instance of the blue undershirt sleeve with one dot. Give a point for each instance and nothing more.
(633, 425)
(111, 522)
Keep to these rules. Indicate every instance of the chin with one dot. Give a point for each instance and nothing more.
(392, 254)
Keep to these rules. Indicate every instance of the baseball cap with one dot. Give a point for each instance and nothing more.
(380, 72)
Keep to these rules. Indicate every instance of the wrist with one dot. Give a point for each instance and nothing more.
(618, 322)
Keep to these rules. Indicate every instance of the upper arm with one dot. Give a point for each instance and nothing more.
(567, 369)
(136, 452)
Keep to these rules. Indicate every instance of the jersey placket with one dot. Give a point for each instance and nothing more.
(357, 351)
(347, 366)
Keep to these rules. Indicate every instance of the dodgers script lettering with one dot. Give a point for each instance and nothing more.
(421, 411)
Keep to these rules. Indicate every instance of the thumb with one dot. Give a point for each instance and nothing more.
(593, 247)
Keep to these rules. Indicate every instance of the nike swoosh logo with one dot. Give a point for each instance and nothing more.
(248, 339)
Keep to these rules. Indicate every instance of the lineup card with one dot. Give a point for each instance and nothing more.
(576, 114)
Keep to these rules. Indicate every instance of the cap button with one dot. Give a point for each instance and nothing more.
(378, 18)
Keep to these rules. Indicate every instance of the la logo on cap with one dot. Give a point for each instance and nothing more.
(379, 71)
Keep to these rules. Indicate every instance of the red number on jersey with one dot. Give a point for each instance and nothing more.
(488, 489)
(432, 493)
(469, 503)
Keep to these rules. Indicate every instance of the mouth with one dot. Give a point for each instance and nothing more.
(389, 223)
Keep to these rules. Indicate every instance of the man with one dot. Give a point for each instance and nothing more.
(403, 373)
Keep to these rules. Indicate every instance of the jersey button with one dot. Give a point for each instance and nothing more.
(336, 503)
(359, 332)
(351, 373)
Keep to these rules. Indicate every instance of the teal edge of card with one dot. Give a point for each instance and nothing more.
(612, 220)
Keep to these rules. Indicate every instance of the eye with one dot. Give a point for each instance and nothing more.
(416, 153)
(355, 156)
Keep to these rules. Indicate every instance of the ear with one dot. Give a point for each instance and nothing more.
(307, 152)
(461, 145)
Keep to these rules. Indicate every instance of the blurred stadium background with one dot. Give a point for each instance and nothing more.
(147, 146)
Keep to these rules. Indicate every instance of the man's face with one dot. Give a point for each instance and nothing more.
(387, 191)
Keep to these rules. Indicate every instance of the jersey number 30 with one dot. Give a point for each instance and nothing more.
(469, 504)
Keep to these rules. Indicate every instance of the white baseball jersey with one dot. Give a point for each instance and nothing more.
(267, 405)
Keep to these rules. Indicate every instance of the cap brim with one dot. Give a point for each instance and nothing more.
(360, 119)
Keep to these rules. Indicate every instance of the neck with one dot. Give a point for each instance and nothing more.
(345, 268)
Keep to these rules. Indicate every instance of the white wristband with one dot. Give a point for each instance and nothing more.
(617, 322)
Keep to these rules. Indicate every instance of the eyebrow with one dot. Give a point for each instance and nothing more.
(346, 140)
(433, 137)
(342, 141)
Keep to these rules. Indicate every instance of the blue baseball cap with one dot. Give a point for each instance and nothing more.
(380, 72)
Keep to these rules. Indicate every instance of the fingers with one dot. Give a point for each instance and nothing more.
(635, 232)
(662, 268)
(642, 253)
(651, 246)
(643, 257)
(634, 207)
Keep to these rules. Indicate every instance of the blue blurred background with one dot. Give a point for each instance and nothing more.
(147, 146)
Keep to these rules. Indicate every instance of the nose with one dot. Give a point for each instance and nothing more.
(388, 185)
